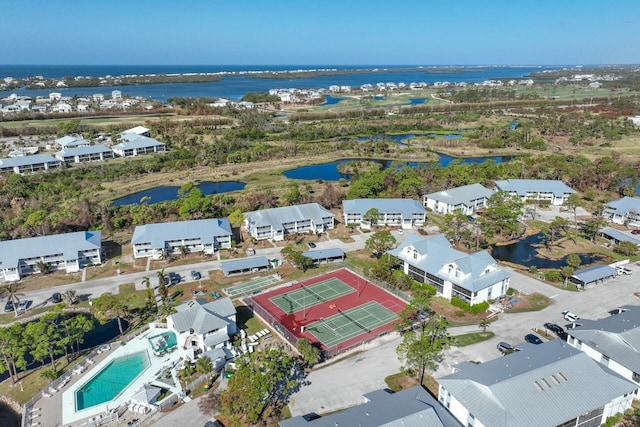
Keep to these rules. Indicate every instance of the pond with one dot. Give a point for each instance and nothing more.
(524, 252)
(164, 193)
(329, 171)
(402, 138)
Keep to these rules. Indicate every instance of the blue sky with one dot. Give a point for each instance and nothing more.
(221, 32)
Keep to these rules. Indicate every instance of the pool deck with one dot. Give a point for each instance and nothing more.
(60, 408)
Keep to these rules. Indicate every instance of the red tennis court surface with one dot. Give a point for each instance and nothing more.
(291, 324)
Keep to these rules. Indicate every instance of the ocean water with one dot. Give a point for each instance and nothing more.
(238, 81)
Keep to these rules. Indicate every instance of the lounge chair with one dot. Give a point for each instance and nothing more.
(52, 390)
(90, 362)
(45, 394)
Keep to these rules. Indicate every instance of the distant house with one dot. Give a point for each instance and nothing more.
(116, 94)
(70, 141)
(625, 211)
(409, 407)
(406, 213)
(275, 223)
(473, 278)
(611, 341)
(550, 384)
(135, 145)
(556, 192)
(466, 199)
(201, 326)
(202, 235)
(69, 252)
(28, 164)
(139, 130)
(90, 153)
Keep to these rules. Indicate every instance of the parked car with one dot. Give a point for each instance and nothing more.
(174, 278)
(24, 304)
(623, 270)
(555, 328)
(8, 307)
(251, 252)
(532, 339)
(569, 316)
(505, 347)
(195, 275)
(635, 231)
(56, 297)
(617, 311)
(312, 245)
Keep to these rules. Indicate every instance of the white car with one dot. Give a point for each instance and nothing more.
(623, 270)
(569, 316)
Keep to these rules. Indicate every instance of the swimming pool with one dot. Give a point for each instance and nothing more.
(111, 380)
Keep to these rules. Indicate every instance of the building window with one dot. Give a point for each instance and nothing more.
(635, 377)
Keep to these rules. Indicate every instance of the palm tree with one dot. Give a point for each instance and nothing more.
(11, 292)
(484, 324)
(146, 282)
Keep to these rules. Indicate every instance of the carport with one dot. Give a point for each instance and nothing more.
(246, 265)
(617, 236)
(325, 255)
(593, 274)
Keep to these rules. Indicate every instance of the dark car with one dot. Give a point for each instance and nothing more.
(195, 275)
(24, 304)
(8, 307)
(505, 347)
(636, 231)
(556, 329)
(174, 278)
(214, 423)
(532, 339)
(56, 297)
(312, 245)
(617, 311)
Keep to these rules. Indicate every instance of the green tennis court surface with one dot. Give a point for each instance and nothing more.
(311, 295)
(351, 323)
(251, 286)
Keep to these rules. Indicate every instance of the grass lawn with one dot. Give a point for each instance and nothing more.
(402, 381)
(532, 302)
(472, 338)
(134, 298)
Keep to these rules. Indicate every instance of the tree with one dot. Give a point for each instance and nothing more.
(204, 365)
(592, 226)
(43, 267)
(573, 203)
(108, 306)
(384, 267)
(501, 217)
(162, 287)
(260, 386)
(45, 339)
(484, 324)
(70, 297)
(456, 228)
(10, 291)
(310, 354)
(146, 282)
(422, 346)
(626, 248)
(13, 349)
(574, 261)
(76, 327)
(371, 217)
(380, 242)
(236, 218)
(567, 271)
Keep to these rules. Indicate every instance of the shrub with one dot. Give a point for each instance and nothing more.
(553, 276)
(480, 307)
(457, 302)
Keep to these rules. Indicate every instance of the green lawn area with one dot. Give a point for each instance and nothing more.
(472, 338)
(135, 299)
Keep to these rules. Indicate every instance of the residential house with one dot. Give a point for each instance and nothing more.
(554, 191)
(116, 94)
(135, 145)
(201, 326)
(139, 130)
(550, 384)
(90, 153)
(409, 407)
(70, 252)
(27, 164)
(70, 141)
(612, 341)
(473, 278)
(406, 213)
(466, 199)
(275, 223)
(625, 211)
(202, 235)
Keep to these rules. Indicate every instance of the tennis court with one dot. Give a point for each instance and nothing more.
(251, 286)
(307, 296)
(347, 324)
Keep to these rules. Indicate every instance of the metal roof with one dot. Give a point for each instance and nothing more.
(436, 251)
(541, 385)
(203, 229)
(619, 235)
(80, 151)
(69, 244)
(133, 140)
(321, 254)
(138, 130)
(594, 273)
(617, 337)
(203, 316)
(624, 205)
(464, 195)
(406, 207)
(275, 217)
(71, 141)
(524, 186)
(244, 264)
(410, 407)
(28, 160)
